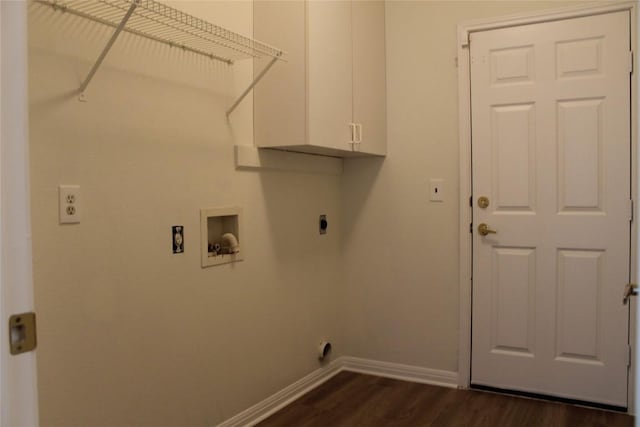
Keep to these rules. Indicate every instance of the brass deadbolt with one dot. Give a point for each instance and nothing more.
(483, 202)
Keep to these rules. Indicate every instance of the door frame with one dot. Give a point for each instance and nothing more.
(464, 139)
(18, 378)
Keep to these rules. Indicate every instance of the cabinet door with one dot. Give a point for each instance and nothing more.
(329, 79)
(279, 100)
(369, 75)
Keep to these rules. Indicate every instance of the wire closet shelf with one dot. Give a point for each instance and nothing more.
(165, 24)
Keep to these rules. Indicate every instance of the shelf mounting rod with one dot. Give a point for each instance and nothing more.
(107, 48)
(254, 83)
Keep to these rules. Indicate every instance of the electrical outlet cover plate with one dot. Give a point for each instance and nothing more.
(69, 204)
(437, 190)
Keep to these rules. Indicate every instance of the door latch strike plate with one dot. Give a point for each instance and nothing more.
(629, 290)
(22, 333)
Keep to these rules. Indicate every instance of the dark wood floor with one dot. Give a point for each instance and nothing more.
(350, 399)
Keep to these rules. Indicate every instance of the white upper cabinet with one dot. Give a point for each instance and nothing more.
(330, 97)
(369, 76)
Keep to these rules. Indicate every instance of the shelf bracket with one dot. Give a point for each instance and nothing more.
(107, 48)
(254, 83)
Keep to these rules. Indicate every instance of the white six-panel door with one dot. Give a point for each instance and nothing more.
(551, 151)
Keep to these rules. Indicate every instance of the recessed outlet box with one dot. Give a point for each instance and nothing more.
(221, 236)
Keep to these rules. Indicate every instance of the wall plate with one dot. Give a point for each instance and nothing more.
(69, 204)
(436, 190)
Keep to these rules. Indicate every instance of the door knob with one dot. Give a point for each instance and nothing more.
(484, 229)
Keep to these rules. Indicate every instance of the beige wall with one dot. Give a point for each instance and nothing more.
(400, 250)
(129, 334)
(133, 335)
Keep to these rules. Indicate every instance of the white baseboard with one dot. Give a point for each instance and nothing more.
(279, 400)
(398, 371)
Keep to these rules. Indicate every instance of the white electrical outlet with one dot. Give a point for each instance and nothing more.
(69, 204)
